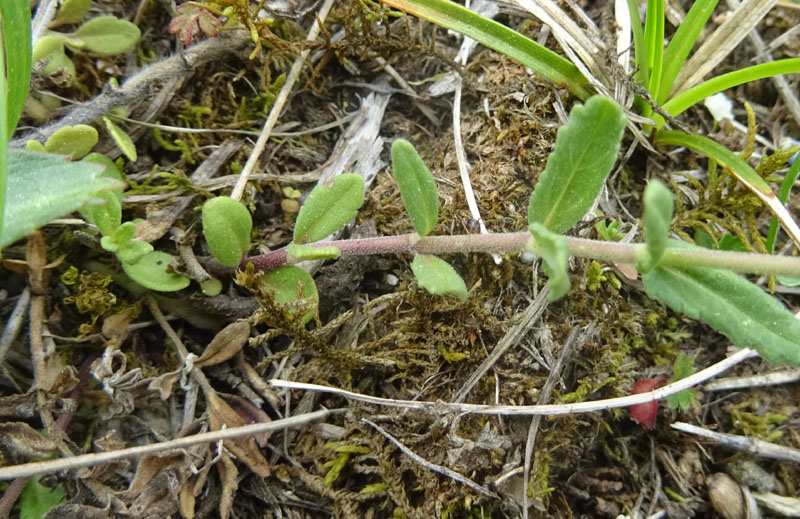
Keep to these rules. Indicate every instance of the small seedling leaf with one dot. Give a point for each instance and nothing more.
(106, 35)
(226, 226)
(730, 304)
(192, 15)
(684, 367)
(74, 141)
(329, 208)
(151, 272)
(50, 48)
(438, 277)
(306, 253)
(286, 283)
(41, 187)
(552, 248)
(658, 207)
(36, 499)
(71, 11)
(130, 251)
(585, 151)
(123, 140)
(417, 186)
(107, 217)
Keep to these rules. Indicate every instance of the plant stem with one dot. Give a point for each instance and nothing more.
(518, 242)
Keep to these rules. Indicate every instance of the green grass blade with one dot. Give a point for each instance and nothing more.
(585, 151)
(739, 169)
(681, 44)
(783, 196)
(3, 137)
(654, 40)
(640, 51)
(730, 304)
(694, 95)
(17, 39)
(500, 38)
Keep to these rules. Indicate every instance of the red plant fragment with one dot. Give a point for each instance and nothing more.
(192, 15)
(645, 414)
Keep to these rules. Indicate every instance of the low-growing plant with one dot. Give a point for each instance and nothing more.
(35, 187)
(696, 281)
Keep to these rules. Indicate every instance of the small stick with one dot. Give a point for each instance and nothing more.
(531, 410)
(544, 396)
(89, 460)
(743, 443)
(432, 466)
(773, 378)
(275, 112)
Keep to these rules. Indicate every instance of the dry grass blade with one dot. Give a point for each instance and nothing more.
(743, 443)
(727, 36)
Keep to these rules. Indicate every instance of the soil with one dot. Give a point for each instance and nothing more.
(109, 373)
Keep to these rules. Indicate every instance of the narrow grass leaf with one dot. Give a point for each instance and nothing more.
(417, 186)
(677, 104)
(658, 206)
(151, 271)
(226, 226)
(681, 44)
(438, 277)
(640, 50)
(487, 32)
(730, 304)
(306, 253)
(41, 187)
(654, 40)
(289, 284)
(552, 248)
(16, 22)
(122, 139)
(585, 151)
(329, 208)
(783, 196)
(105, 35)
(739, 169)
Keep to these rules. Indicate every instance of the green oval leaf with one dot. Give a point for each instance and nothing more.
(41, 187)
(123, 140)
(416, 186)
(552, 248)
(438, 277)
(151, 272)
(226, 227)
(657, 215)
(328, 208)
(75, 141)
(105, 35)
(130, 251)
(286, 283)
(730, 304)
(306, 253)
(585, 151)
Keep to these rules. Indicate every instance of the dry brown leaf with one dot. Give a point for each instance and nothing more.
(151, 465)
(164, 383)
(249, 413)
(245, 449)
(20, 441)
(158, 499)
(115, 327)
(225, 344)
(18, 406)
(227, 475)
